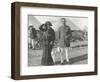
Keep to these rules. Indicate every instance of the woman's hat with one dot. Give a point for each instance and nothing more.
(48, 22)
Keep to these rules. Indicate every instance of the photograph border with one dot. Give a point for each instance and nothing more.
(15, 39)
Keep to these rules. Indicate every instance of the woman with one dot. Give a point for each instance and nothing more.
(48, 39)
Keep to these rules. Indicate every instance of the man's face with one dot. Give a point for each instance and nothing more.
(31, 27)
(63, 21)
(48, 25)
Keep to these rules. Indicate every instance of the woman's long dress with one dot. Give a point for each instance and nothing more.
(46, 58)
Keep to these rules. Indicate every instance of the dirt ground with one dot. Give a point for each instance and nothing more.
(78, 55)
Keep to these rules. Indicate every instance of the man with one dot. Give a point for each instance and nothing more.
(64, 34)
(32, 35)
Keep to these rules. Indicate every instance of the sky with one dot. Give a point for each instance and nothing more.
(76, 23)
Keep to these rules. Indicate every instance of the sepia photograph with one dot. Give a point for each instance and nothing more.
(57, 40)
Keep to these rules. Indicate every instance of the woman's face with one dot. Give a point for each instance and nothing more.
(44, 27)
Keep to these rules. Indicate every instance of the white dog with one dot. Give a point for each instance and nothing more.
(54, 53)
(58, 52)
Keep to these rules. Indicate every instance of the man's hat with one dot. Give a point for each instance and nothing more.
(30, 25)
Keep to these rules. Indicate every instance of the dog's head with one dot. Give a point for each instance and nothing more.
(56, 50)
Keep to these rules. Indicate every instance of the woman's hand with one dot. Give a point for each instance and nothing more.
(51, 43)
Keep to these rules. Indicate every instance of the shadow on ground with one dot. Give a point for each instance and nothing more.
(76, 59)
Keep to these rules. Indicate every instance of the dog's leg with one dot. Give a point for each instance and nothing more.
(52, 53)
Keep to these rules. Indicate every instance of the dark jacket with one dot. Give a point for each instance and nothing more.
(51, 35)
(33, 33)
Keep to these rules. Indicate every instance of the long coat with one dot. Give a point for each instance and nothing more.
(64, 34)
(48, 37)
